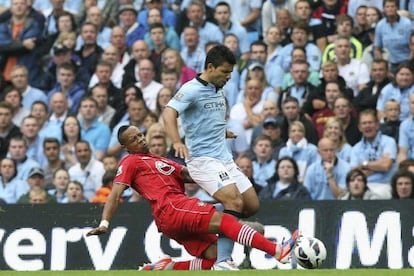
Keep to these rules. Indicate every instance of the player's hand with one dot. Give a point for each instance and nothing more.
(97, 231)
(181, 150)
(230, 134)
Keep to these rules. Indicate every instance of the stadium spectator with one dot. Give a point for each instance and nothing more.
(375, 154)
(343, 111)
(7, 128)
(60, 181)
(284, 184)
(334, 130)
(263, 163)
(35, 180)
(149, 87)
(298, 147)
(192, 51)
(67, 85)
(93, 131)
(71, 133)
(390, 124)
(11, 187)
(139, 50)
(13, 96)
(18, 152)
(88, 171)
(402, 185)
(326, 178)
(367, 98)
(393, 32)
(105, 111)
(19, 36)
(356, 187)
(19, 77)
(30, 131)
(399, 90)
(103, 192)
(75, 192)
(171, 38)
(94, 15)
(52, 161)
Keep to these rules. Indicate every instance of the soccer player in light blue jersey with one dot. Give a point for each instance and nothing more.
(200, 103)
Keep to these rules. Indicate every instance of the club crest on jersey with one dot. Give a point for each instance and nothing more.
(164, 168)
(201, 204)
(119, 170)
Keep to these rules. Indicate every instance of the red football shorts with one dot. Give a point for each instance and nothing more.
(186, 221)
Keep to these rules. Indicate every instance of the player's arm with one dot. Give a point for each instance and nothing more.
(171, 127)
(110, 208)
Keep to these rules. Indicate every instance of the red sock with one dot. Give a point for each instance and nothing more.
(195, 264)
(245, 235)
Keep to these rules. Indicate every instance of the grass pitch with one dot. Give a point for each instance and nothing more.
(320, 272)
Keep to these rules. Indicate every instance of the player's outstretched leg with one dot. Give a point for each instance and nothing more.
(245, 235)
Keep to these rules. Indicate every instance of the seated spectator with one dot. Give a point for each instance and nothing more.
(129, 92)
(163, 97)
(357, 188)
(249, 112)
(173, 60)
(38, 195)
(245, 164)
(367, 98)
(402, 184)
(158, 145)
(11, 188)
(51, 151)
(170, 80)
(284, 184)
(343, 111)
(171, 38)
(74, 193)
(263, 164)
(360, 30)
(71, 133)
(88, 171)
(147, 83)
(192, 51)
(105, 111)
(12, 96)
(20, 79)
(93, 131)
(301, 88)
(354, 72)
(110, 162)
(103, 192)
(36, 180)
(18, 152)
(299, 149)
(327, 11)
(399, 90)
(319, 118)
(19, 36)
(7, 128)
(390, 123)
(60, 181)
(67, 85)
(334, 130)
(375, 154)
(326, 178)
(139, 51)
(39, 111)
(299, 53)
(344, 26)
(128, 16)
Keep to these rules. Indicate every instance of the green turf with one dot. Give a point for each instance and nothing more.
(321, 272)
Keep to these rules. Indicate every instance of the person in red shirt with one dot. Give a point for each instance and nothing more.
(189, 221)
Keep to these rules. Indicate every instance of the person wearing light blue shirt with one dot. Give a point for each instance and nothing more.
(375, 154)
(93, 131)
(393, 32)
(201, 105)
(299, 148)
(18, 152)
(327, 174)
(11, 187)
(191, 51)
(264, 166)
(406, 135)
(398, 91)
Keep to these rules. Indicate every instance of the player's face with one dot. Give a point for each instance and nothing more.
(220, 74)
(135, 141)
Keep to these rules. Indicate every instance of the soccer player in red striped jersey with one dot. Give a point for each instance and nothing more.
(189, 221)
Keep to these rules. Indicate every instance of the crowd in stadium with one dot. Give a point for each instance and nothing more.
(321, 98)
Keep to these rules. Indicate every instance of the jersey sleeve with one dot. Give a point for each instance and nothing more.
(125, 172)
(184, 98)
